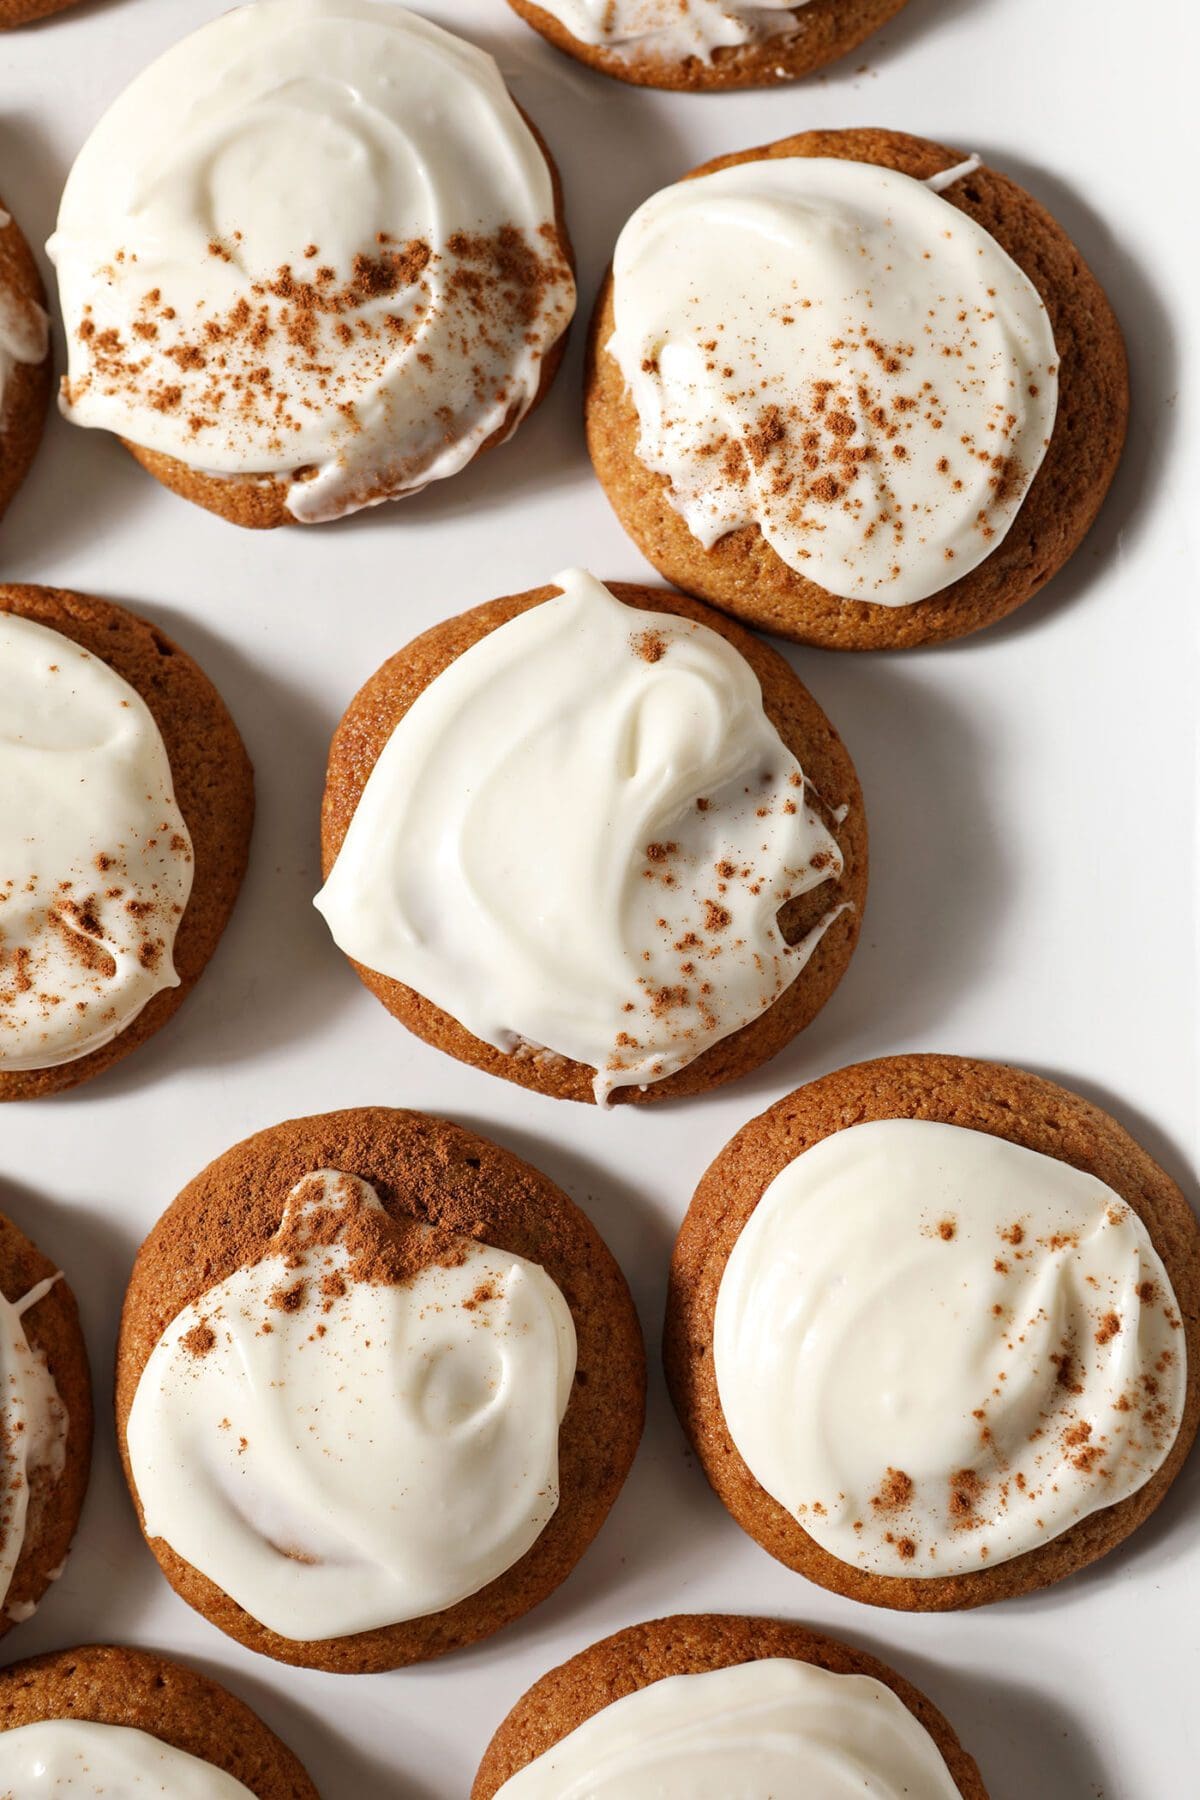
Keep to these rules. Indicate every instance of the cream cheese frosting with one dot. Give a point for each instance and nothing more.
(315, 240)
(33, 1437)
(342, 1440)
(579, 837)
(95, 858)
(24, 330)
(755, 1731)
(831, 351)
(82, 1757)
(674, 30)
(938, 1349)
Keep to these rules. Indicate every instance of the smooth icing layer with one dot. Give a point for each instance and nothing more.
(95, 859)
(939, 1350)
(756, 1731)
(83, 1758)
(832, 352)
(579, 837)
(24, 330)
(315, 239)
(33, 1431)
(361, 1428)
(673, 30)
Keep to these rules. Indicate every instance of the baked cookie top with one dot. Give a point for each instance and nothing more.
(315, 241)
(579, 837)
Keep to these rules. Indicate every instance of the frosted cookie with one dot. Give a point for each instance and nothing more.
(705, 44)
(45, 1424)
(861, 476)
(24, 357)
(120, 1722)
(596, 840)
(378, 1384)
(700, 1707)
(313, 258)
(126, 800)
(933, 1329)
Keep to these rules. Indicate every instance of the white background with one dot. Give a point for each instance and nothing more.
(1032, 801)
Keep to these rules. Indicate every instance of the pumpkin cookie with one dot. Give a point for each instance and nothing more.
(126, 800)
(828, 471)
(933, 1329)
(488, 1330)
(45, 1425)
(25, 365)
(697, 1702)
(136, 1720)
(596, 840)
(296, 362)
(706, 44)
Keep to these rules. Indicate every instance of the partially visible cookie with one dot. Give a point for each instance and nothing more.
(128, 1713)
(450, 1355)
(717, 45)
(608, 1673)
(45, 1424)
(950, 472)
(115, 896)
(929, 1314)
(630, 787)
(25, 362)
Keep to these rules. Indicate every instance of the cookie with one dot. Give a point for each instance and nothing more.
(25, 364)
(130, 1697)
(604, 922)
(23, 12)
(121, 901)
(47, 1423)
(898, 491)
(1039, 1254)
(631, 1661)
(295, 364)
(718, 46)
(295, 1254)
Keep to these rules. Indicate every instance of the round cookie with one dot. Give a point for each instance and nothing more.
(426, 1169)
(1007, 1103)
(744, 575)
(688, 1645)
(23, 12)
(108, 1685)
(825, 30)
(379, 705)
(214, 788)
(26, 392)
(52, 1331)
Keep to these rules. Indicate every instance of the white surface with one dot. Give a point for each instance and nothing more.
(1032, 801)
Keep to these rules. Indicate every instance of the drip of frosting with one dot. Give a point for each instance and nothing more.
(674, 30)
(83, 1758)
(362, 1427)
(939, 1350)
(33, 1441)
(833, 352)
(95, 859)
(578, 840)
(755, 1731)
(24, 329)
(315, 240)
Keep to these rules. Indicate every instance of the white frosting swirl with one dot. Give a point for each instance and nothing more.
(579, 838)
(938, 1349)
(95, 859)
(24, 329)
(339, 1451)
(317, 236)
(832, 352)
(674, 30)
(83, 1758)
(756, 1731)
(33, 1431)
